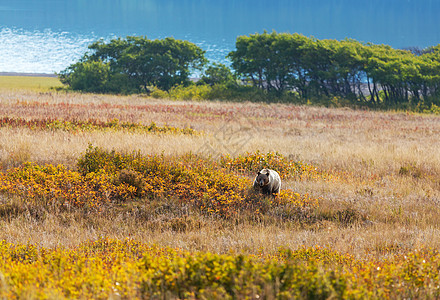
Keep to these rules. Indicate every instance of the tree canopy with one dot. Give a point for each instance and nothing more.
(360, 72)
(134, 64)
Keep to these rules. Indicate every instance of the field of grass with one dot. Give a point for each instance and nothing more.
(127, 196)
(32, 83)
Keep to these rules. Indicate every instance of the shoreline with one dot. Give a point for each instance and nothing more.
(27, 74)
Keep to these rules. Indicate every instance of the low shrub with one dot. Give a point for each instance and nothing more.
(229, 91)
(191, 92)
(254, 162)
(58, 186)
(111, 177)
(128, 269)
(108, 268)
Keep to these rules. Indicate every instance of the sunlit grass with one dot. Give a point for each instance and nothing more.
(374, 176)
(127, 269)
(32, 83)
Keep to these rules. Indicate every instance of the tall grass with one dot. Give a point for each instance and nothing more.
(385, 202)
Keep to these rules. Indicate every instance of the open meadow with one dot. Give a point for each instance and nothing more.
(128, 196)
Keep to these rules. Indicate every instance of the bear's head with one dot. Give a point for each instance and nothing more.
(263, 178)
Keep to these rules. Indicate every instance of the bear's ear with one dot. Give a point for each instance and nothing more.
(258, 173)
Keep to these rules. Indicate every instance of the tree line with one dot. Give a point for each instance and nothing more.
(283, 65)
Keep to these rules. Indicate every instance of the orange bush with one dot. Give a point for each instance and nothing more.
(57, 185)
(110, 177)
(253, 162)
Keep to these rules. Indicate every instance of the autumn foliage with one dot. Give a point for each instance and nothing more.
(108, 268)
(287, 168)
(103, 177)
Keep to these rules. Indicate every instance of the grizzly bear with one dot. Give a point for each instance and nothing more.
(268, 182)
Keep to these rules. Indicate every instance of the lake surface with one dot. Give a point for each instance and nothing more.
(46, 36)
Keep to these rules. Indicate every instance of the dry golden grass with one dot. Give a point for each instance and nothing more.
(391, 160)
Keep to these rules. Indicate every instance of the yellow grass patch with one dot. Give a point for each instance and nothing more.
(33, 83)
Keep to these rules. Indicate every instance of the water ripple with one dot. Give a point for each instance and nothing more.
(40, 51)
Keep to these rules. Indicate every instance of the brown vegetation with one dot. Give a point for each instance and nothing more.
(387, 201)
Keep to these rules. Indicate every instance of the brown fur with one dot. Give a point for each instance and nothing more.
(268, 182)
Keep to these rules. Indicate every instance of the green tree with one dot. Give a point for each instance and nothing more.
(248, 59)
(429, 65)
(141, 63)
(87, 76)
(217, 74)
(271, 61)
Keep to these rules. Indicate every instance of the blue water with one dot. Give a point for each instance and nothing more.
(45, 36)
